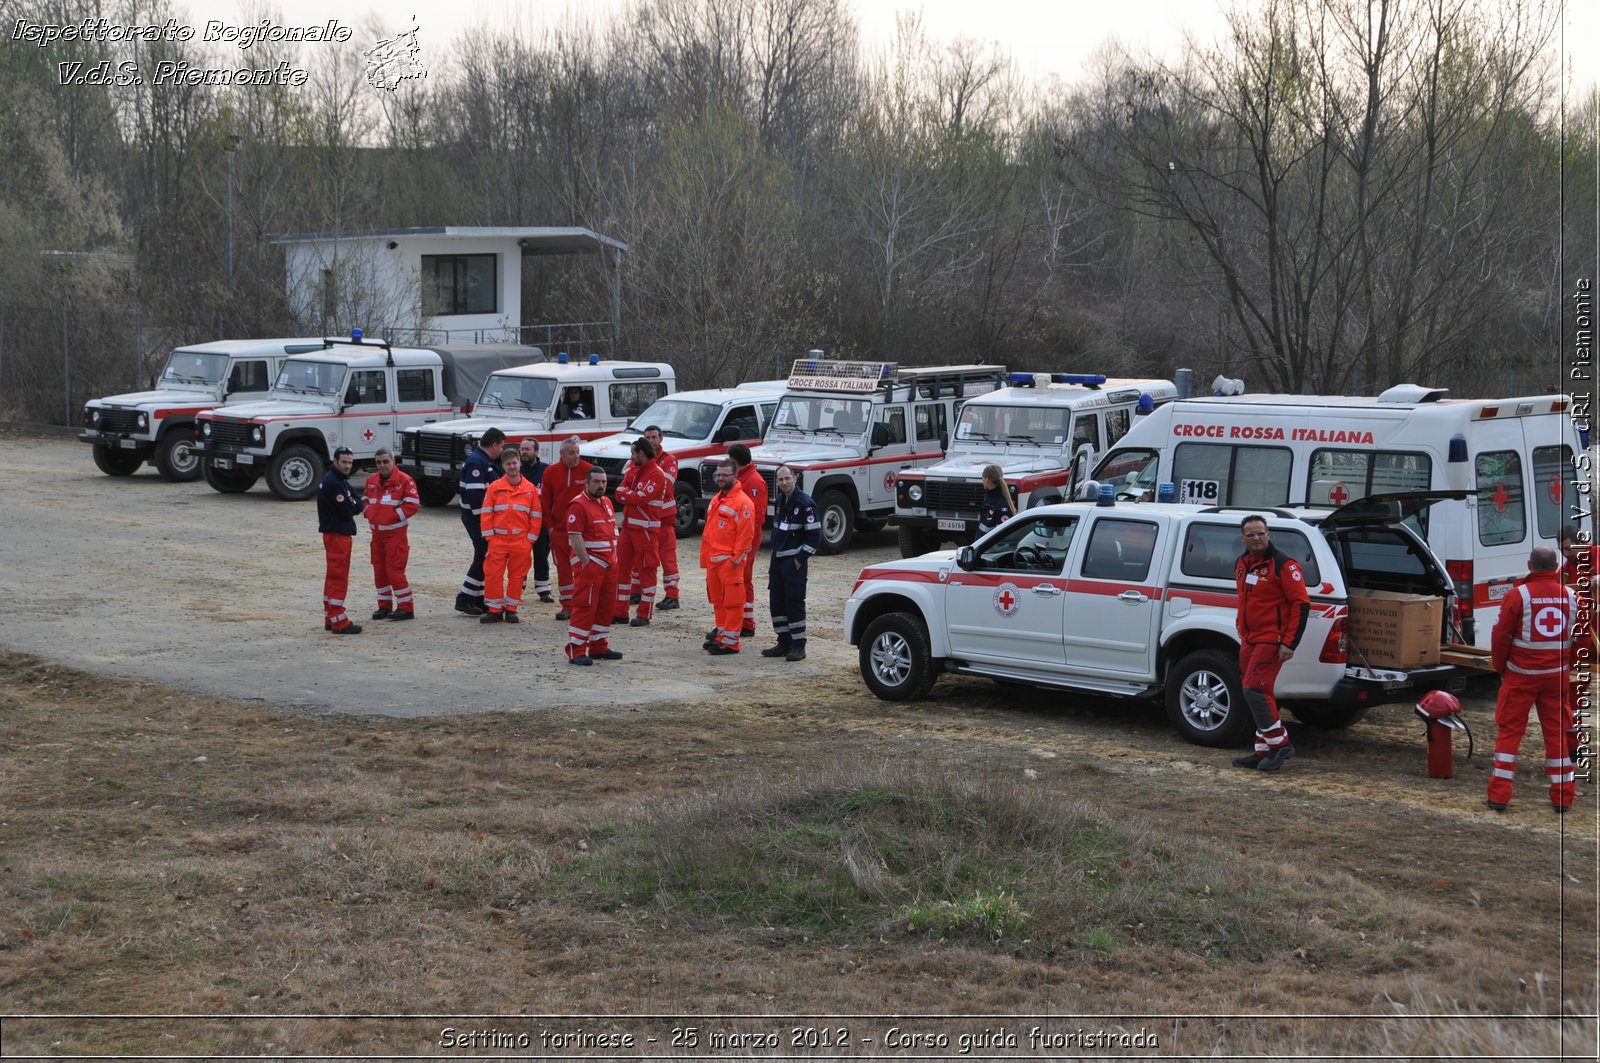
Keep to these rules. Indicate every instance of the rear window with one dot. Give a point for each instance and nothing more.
(1502, 516)
(1384, 559)
(1554, 484)
(1211, 550)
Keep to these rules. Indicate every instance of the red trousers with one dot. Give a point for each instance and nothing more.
(747, 624)
(594, 593)
(505, 570)
(390, 552)
(561, 550)
(639, 555)
(725, 586)
(1519, 693)
(669, 560)
(336, 579)
(1258, 670)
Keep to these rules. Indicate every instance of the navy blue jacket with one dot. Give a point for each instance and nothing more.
(796, 531)
(337, 504)
(477, 473)
(995, 510)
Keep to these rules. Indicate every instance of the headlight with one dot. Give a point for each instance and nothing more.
(258, 435)
(144, 421)
(914, 492)
(90, 417)
(205, 429)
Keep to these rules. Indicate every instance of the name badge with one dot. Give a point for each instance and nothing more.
(1250, 580)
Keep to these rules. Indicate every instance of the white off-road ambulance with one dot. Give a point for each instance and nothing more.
(1522, 458)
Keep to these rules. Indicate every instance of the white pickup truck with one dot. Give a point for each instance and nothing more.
(1138, 600)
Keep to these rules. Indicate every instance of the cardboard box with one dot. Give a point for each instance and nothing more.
(1395, 630)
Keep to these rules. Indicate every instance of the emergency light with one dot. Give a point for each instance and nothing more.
(1108, 495)
(594, 359)
(1167, 492)
(1034, 380)
(562, 359)
(355, 335)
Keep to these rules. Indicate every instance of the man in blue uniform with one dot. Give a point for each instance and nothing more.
(477, 472)
(337, 506)
(796, 534)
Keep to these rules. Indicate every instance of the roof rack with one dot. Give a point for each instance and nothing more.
(866, 378)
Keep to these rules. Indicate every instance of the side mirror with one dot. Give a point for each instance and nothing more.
(964, 558)
(944, 440)
(880, 435)
(728, 433)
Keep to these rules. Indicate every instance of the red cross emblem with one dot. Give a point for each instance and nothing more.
(1339, 495)
(1006, 600)
(1550, 622)
(888, 480)
(1500, 498)
(1555, 489)
(367, 435)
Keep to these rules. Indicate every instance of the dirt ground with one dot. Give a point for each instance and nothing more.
(219, 595)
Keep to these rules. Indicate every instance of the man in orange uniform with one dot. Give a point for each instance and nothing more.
(1532, 647)
(511, 522)
(563, 482)
(1272, 613)
(733, 528)
(750, 479)
(591, 533)
(669, 522)
(391, 501)
(643, 492)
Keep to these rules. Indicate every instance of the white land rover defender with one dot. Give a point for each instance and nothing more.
(694, 425)
(849, 429)
(158, 425)
(1044, 432)
(357, 393)
(1136, 600)
(548, 403)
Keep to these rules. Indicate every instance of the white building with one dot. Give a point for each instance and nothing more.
(443, 284)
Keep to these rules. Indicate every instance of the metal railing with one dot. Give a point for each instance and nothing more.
(578, 339)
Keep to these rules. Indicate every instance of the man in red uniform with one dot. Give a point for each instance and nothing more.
(732, 531)
(643, 492)
(511, 522)
(1272, 613)
(563, 482)
(1579, 573)
(591, 533)
(756, 487)
(1532, 647)
(669, 522)
(391, 502)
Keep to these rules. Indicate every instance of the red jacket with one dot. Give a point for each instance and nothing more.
(647, 495)
(1534, 633)
(1273, 602)
(669, 464)
(750, 479)
(391, 503)
(596, 521)
(559, 487)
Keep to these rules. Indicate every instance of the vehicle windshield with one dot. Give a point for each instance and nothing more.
(304, 376)
(190, 368)
(535, 393)
(1131, 472)
(1046, 426)
(678, 418)
(800, 415)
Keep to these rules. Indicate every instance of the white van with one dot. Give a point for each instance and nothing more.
(1523, 458)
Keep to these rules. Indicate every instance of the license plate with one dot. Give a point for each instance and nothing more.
(126, 444)
(434, 470)
(1397, 684)
(224, 463)
(946, 524)
(247, 459)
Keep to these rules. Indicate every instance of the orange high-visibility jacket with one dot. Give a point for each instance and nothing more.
(511, 511)
(732, 526)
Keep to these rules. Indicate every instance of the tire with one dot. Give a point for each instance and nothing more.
(1328, 717)
(295, 472)
(115, 462)
(1205, 699)
(176, 459)
(436, 492)
(228, 481)
(688, 521)
(838, 519)
(896, 661)
(870, 525)
(914, 542)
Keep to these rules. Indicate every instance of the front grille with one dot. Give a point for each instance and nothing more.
(437, 448)
(232, 435)
(612, 466)
(771, 476)
(119, 420)
(952, 495)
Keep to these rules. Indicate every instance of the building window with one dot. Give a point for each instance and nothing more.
(459, 284)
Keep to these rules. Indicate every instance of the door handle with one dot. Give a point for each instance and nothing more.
(1045, 590)
(383, 422)
(1132, 597)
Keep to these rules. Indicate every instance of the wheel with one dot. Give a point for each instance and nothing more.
(688, 522)
(1320, 714)
(872, 524)
(294, 473)
(176, 459)
(436, 492)
(914, 542)
(228, 481)
(838, 519)
(115, 462)
(1205, 699)
(896, 661)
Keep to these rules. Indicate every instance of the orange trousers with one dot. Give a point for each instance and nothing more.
(725, 587)
(505, 570)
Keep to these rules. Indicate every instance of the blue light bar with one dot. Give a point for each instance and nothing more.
(1032, 380)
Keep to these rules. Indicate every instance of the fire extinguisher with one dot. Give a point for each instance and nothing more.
(1442, 714)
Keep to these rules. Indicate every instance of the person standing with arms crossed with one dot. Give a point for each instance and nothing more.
(337, 506)
(511, 524)
(477, 473)
(563, 482)
(391, 501)
(750, 479)
(732, 530)
(591, 529)
(669, 527)
(533, 468)
(1532, 649)
(796, 534)
(643, 492)
(1272, 613)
